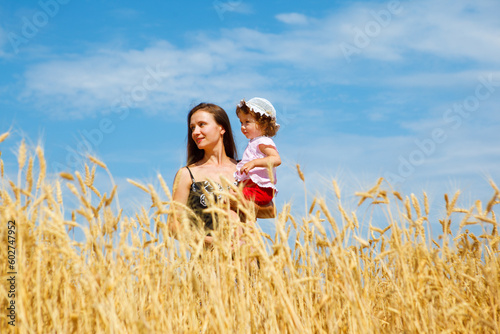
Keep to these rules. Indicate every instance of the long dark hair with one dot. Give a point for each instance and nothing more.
(194, 154)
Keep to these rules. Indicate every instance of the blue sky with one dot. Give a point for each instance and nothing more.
(407, 90)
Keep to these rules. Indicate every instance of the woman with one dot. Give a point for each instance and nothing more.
(211, 156)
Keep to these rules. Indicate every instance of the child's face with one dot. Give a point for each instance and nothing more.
(249, 126)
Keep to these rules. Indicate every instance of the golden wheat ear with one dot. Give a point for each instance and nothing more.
(80, 267)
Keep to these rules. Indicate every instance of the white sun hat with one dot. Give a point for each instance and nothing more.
(260, 106)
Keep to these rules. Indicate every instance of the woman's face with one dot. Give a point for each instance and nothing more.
(204, 129)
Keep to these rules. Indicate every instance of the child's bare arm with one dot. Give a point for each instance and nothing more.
(272, 159)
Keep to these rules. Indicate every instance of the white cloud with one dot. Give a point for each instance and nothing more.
(469, 155)
(238, 6)
(3, 43)
(242, 60)
(292, 18)
(151, 79)
(453, 29)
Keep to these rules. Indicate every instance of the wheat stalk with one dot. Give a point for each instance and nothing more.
(125, 274)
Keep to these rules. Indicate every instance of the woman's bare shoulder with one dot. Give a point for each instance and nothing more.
(182, 176)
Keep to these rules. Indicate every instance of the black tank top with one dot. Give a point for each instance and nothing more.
(197, 201)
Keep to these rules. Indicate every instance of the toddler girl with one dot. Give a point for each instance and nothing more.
(257, 168)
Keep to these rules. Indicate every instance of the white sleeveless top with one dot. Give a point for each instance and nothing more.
(259, 175)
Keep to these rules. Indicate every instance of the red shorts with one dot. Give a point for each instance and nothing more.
(256, 193)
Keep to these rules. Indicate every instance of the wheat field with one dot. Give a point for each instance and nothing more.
(319, 273)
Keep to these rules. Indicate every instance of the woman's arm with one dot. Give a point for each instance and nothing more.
(180, 194)
(266, 211)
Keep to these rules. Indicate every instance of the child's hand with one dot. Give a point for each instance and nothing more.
(247, 167)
